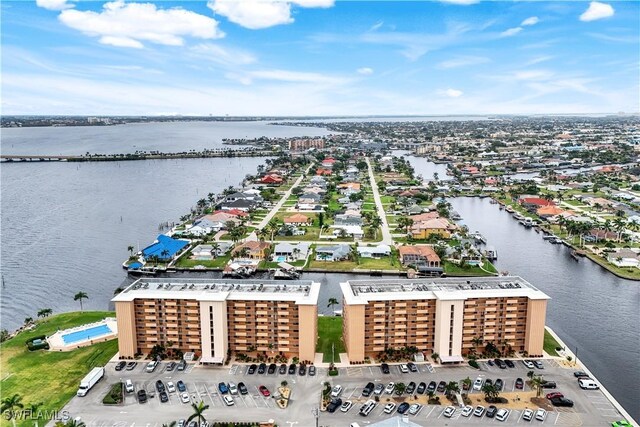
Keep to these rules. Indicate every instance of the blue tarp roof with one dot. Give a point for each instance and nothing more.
(164, 243)
(135, 265)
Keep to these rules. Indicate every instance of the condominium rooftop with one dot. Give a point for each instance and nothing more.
(363, 291)
(303, 292)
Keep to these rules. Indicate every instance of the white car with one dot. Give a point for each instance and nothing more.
(467, 411)
(449, 411)
(587, 384)
(404, 369)
(185, 397)
(527, 415)
(541, 414)
(128, 386)
(337, 390)
(502, 414)
(171, 388)
(151, 366)
(346, 406)
(413, 409)
(477, 384)
(379, 389)
(478, 411)
(389, 407)
(233, 388)
(228, 400)
(390, 387)
(529, 364)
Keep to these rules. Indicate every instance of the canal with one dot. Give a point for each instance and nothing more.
(594, 312)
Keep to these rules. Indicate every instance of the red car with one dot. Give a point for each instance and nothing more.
(554, 394)
(265, 391)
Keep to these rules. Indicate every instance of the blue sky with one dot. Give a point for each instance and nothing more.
(319, 57)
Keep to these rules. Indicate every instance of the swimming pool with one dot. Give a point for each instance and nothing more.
(281, 258)
(85, 334)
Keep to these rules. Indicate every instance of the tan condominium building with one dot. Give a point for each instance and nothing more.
(214, 318)
(452, 317)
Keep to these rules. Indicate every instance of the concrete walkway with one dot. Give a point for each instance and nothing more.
(282, 201)
(387, 239)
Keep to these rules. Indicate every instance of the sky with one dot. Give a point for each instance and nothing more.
(319, 57)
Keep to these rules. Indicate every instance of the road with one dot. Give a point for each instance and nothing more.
(387, 239)
(282, 201)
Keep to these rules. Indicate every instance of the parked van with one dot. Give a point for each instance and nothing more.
(367, 407)
(128, 386)
(587, 384)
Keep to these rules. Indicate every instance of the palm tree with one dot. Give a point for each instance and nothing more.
(400, 388)
(11, 404)
(28, 320)
(404, 223)
(198, 411)
(74, 423)
(490, 392)
(80, 296)
(536, 383)
(332, 302)
(44, 312)
(272, 227)
(130, 248)
(172, 423)
(452, 388)
(215, 247)
(33, 409)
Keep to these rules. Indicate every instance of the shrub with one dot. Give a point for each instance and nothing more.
(114, 397)
(40, 345)
(474, 364)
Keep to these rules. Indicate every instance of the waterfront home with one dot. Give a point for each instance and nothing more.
(243, 205)
(551, 211)
(418, 254)
(598, 202)
(212, 222)
(164, 248)
(298, 220)
(337, 252)
(425, 216)
(292, 252)
(600, 234)
(354, 231)
(255, 249)
(207, 252)
(624, 258)
(271, 179)
(436, 226)
(530, 202)
(244, 196)
(378, 251)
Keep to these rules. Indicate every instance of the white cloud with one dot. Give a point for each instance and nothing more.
(295, 77)
(462, 61)
(54, 4)
(376, 26)
(130, 24)
(365, 71)
(539, 59)
(221, 55)
(258, 14)
(597, 11)
(451, 93)
(510, 32)
(533, 20)
(461, 2)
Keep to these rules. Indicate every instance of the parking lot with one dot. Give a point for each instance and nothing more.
(590, 408)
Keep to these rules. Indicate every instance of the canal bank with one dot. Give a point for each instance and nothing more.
(591, 310)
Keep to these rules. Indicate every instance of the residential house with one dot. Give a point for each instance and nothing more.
(418, 254)
(207, 252)
(298, 220)
(624, 258)
(353, 186)
(256, 249)
(310, 198)
(531, 202)
(271, 179)
(348, 219)
(425, 216)
(242, 205)
(550, 211)
(337, 252)
(328, 163)
(308, 207)
(323, 172)
(213, 222)
(436, 226)
(350, 230)
(378, 251)
(248, 195)
(292, 252)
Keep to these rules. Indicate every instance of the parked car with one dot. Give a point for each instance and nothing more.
(549, 384)
(379, 389)
(467, 411)
(171, 366)
(528, 364)
(264, 391)
(579, 374)
(413, 409)
(336, 391)
(502, 414)
(181, 386)
(490, 362)
(538, 364)
(562, 401)
(160, 386)
(131, 366)
(182, 365)
(500, 363)
(477, 384)
(390, 387)
(164, 398)
(303, 370)
(151, 366)
(334, 404)
(410, 388)
(262, 368)
(587, 384)
(252, 369)
(491, 411)
(509, 363)
(404, 368)
(422, 387)
(449, 411)
(185, 397)
(228, 400)
(488, 381)
(519, 383)
(120, 366)
(478, 411)
(385, 368)
(368, 406)
(527, 414)
(499, 384)
(272, 369)
(283, 369)
(389, 407)
(170, 387)
(312, 371)
(346, 405)
(441, 386)
(368, 389)
(142, 396)
(292, 369)
(403, 407)
(223, 388)
(242, 388)
(431, 387)
(541, 414)
(412, 367)
(233, 389)
(554, 394)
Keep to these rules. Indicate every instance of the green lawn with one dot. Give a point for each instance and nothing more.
(386, 263)
(333, 266)
(550, 344)
(387, 199)
(452, 269)
(330, 332)
(50, 377)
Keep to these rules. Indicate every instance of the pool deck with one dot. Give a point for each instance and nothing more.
(56, 343)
